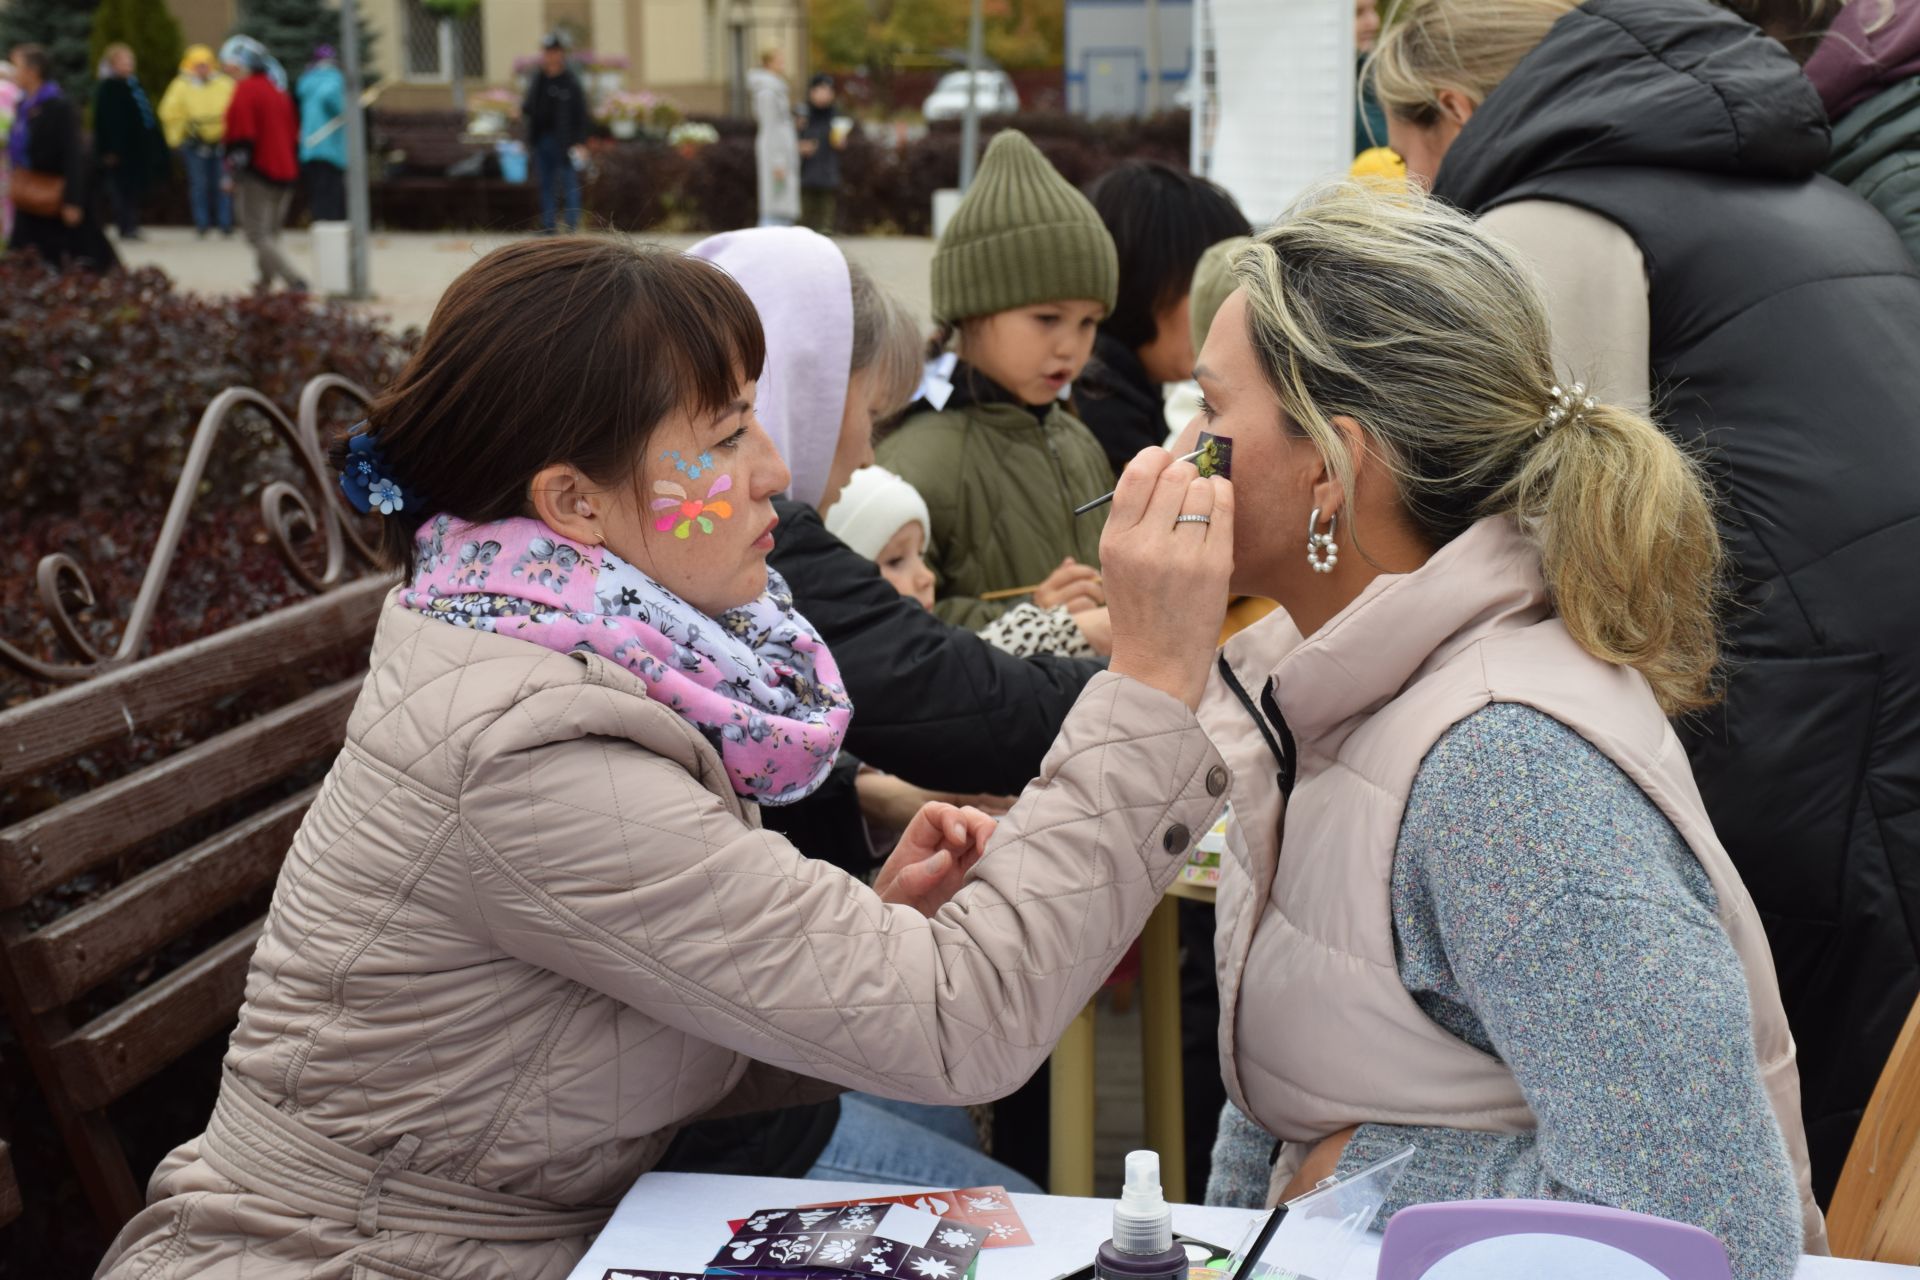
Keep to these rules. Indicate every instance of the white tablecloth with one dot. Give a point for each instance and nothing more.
(677, 1221)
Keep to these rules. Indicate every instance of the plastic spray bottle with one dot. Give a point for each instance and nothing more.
(1142, 1247)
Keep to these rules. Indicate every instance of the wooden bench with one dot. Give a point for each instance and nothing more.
(196, 835)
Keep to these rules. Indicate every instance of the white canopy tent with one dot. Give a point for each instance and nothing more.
(1274, 102)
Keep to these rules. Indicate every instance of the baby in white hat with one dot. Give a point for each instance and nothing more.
(885, 519)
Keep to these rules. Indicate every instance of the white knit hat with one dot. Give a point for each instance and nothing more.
(875, 505)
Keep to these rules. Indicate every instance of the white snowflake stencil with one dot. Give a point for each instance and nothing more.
(859, 1218)
(1001, 1231)
(791, 1249)
(811, 1218)
(955, 1238)
(876, 1258)
(933, 1268)
(836, 1251)
(764, 1221)
(986, 1204)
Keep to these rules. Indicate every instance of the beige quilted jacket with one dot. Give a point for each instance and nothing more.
(527, 929)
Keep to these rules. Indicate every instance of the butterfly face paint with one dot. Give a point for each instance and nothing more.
(692, 468)
(1216, 456)
(681, 513)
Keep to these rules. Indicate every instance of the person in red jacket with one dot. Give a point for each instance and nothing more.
(263, 163)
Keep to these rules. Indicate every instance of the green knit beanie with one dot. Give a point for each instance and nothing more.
(1022, 236)
(1213, 284)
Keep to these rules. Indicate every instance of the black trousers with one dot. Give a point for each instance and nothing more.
(326, 190)
(124, 190)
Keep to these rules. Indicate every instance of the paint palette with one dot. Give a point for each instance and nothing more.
(1216, 456)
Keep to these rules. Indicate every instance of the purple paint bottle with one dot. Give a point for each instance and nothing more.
(1142, 1247)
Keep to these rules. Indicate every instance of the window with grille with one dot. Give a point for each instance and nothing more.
(437, 49)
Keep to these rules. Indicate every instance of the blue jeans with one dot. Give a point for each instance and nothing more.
(211, 205)
(557, 174)
(910, 1144)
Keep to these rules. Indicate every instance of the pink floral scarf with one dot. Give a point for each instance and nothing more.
(756, 681)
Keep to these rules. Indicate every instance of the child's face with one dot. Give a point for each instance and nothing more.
(902, 562)
(1034, 351)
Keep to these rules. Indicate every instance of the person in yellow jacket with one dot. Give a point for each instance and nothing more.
(193, 113)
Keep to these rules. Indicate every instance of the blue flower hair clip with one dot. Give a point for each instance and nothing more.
(368, 481)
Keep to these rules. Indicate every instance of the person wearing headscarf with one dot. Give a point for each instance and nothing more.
(262, 163)
(44, 141)
(193, 115)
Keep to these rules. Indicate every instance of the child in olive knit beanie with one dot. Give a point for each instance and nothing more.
(1022, 276)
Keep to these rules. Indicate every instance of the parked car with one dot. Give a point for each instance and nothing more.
(994, 95)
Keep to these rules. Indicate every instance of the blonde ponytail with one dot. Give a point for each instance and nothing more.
(1378, 304)
(1629, 547)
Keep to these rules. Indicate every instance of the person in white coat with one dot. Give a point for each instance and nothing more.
(776, 148)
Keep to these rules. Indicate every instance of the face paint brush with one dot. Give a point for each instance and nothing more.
(1214, 457)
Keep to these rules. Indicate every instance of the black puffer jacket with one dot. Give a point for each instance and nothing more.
(1786, 345)
(932, 702)
(1120, 404)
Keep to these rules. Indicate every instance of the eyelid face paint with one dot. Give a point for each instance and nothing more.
(1216, 456)
(680, 513)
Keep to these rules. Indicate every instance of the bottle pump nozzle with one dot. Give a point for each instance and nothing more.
(1142, 1221)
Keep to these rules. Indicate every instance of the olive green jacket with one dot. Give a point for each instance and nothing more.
(1001, 485)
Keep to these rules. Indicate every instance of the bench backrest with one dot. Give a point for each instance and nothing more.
(194, 838)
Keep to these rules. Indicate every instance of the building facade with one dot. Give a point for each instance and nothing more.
(694, 52)
(1111, 56)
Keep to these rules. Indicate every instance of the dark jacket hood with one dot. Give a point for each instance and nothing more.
(1645, 83)
(1868, 49)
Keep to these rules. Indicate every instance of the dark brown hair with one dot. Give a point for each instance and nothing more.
(35, 56)
(548, 351)
(1162, 219)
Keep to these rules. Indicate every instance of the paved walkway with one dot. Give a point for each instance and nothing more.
(410, 270)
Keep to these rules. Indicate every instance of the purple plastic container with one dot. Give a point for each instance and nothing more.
(1421, 1235)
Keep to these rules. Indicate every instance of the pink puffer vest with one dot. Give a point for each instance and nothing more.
(1316, 1030)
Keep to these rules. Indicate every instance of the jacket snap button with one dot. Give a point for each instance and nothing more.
(1177, 838)
(1216, 780)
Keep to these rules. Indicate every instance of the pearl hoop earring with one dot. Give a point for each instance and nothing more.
(1322, 551)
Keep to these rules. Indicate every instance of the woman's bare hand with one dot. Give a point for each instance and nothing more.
(931, 862)
(891, 803)
(1074, 586)
(1167, 578)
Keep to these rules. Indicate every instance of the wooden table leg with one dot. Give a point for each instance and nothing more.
(1160, 1046)
(1070, 1159)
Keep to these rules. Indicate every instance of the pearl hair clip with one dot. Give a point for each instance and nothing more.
(1567, 407)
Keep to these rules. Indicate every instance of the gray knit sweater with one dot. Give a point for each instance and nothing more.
(1546, 911)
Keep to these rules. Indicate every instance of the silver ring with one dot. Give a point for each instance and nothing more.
(1193, 519)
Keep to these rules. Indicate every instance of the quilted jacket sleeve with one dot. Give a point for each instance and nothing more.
(615, 867)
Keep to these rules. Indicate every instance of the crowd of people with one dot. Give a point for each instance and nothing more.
(764, 757)
(243, 142)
